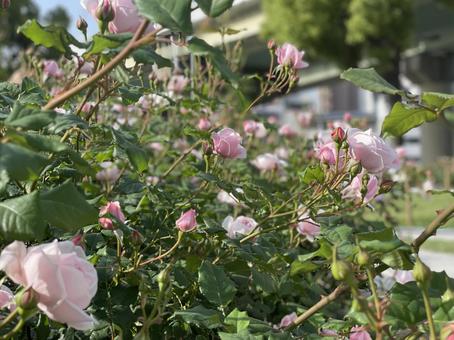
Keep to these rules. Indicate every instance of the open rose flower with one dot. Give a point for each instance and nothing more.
(267, 162)
(187, 221)
(60, 275)
(227, 143)
(239, 226)
(52, 70)
(177, 83)
(359, 333)
(253, 128)
(308, 227)
(288, 55)
(354, 191)
(287, 131)
(371, 151)
(204, 124)
(111, 208)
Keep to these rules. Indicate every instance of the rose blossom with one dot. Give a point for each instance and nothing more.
(305, 119)
(58, 272)
(85, 67)
(347, 117)
(354, 191)
(326, 152)
(114, 209)
(256, 129)
(109, 174)
(282, 152)
(288, 55)
(225, 197)
(287, 131)
(240, 226)
(371, 151)
(51, 69)
(308, 227)
(227, 143)
(187, 221)
(177, 83)
(126, 18)
(287, 320)
(359, 333)
(204, 124)
(267, 162)
(87, 107)
(6, 298)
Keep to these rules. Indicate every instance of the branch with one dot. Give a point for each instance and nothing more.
(319, 305)
(431, 229)
(132, 45)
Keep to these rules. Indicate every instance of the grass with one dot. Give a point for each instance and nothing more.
(423, 209)
(438, 246)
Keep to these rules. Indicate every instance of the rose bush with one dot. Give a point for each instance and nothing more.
(157, 203)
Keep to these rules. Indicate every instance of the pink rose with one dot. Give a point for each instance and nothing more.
(225, 197)
(52, 70)
(288, 55)
(347, 117)
(354, 191)
(60, 275)
(326, 152)
(287, 131)
(371, 151)
(308, 227)
(227, 143)
(403, 276)
(401, 152)
(305, 119)
(240, 226)
(177, 83)
(87, 107)
(109, 174)
(282, 152)
(114, 209)
(187, 221)
(359, 333)
(6, 298)
(372, 189)
(85, 67)
(267, 162)
(254, 128)
(204, 124)
(287, 320)
(106, 223)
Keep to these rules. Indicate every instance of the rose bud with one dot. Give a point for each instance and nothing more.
(338, 135)
(137, 238)
(105, 12)
(6, 4)
(187, 221)
(421, 272)
(271, 44)
(82, 25)
(386, 186)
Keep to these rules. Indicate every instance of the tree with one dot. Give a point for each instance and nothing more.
(58, 17)
(344, 31)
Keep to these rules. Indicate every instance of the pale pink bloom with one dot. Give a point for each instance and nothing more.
(6, 298)
(106, 223)
(160, 74)
(339, 124)
(109, 174)
(187, 221)
(204, 124)
(289, 55)
(238, 227)
(177, 83)
(326, 152)
(60, 275)
(372, 189)
(87, 107)
(287, 320)
(126, 18)
(371, 151)
(403, 276)
(347, 117)
(401, 152)
(118, 108)
(359, 333)
(85, 67)
(287, 131)
(145, 102)
(152, 180)
(227, 143)
(272, 120)
(225, 197)
(114, 209)
(282, 152)
(308, 227)
(156, 146)
(267, 162)
(256, 129)
(52, 70)
(305, 119)
(354, 191)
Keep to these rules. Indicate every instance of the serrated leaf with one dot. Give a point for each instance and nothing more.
(403, 118)
(21, 163)
(215, 285)
(104, 43)
(64, 207)
(214, 8)
(237, 320)
(21, 219)
(369, 79)
(29, 118)
(172, 14)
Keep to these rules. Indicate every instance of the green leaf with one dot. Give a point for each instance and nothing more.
(29, 118)
(313, 174)
(104, 43)
(369, 79)
(50, 36)
(64, 207)
(65, 122)
(302, 267)
(172, 14)
(438, 101)
(264, 282)
(214, 8)
(137, 156)
(237, 321)
(403, 118)
(20, 163)
(20, 218)
(146, 55)
(37, 142)
(215, 285)
(200, 315)
(200, 47)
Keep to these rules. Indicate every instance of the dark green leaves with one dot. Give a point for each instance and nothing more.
(64, 207)
(21, 219)
(137, 156)
(104, 43)
(50, 36)
(214, 8)
(403, 118)
(146, 55)
(20, 163)
(369, 79)
(215, 285)
(200, 47)
(29, 118)
(172, 14)
(200, 315)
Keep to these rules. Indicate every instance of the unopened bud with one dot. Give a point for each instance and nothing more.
(6, 4)
(362, 258)
(341, 270)
(386, 186)
(271, 44)
(355, 169)
(78, 240)
(163, 277)
(105, 12)
(81, 25)
(338, 135)
(137, 238)
(421, 272)
(26, 300)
